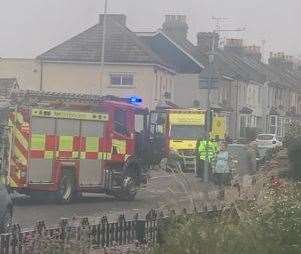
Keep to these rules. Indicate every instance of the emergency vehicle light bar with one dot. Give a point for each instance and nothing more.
(135, 100)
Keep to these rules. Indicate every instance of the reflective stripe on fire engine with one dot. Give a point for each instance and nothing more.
(92, 144)
(19, 136)
(20, 157)
(66, 143)
(59, 114)
(104, 156)
(19, 118)
(119, 146)
(11, 182)
(43, 147)
(38, 142)
(49, 155)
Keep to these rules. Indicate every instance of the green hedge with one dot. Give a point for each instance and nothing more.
(271, 226)
(294, 155)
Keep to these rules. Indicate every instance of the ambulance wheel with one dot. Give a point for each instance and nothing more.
(66, 192)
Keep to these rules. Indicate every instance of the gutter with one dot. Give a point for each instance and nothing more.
(112, 63)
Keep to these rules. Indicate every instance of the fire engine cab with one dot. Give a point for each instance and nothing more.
(66, 144)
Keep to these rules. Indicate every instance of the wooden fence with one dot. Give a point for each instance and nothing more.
(79, 232)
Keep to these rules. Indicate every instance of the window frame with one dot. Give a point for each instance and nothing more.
(122, 77)
(123, 125)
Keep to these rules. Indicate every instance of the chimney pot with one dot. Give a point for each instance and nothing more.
(205, 40)
(176, 27)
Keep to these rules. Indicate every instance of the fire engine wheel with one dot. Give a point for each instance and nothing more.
(66, 188)
(128, 191)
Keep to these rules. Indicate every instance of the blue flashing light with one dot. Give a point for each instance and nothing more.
(136, 100)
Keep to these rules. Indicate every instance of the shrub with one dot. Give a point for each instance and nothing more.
(269, 226)
(294, 152)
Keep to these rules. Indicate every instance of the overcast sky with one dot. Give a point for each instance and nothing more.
(29, 27)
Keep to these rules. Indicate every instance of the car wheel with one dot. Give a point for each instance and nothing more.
(7, 221)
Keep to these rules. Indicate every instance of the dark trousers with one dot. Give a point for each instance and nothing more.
(222, 179)
(200, 168)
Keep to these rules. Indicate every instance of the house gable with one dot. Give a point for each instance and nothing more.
(172, 53)
(121, 46)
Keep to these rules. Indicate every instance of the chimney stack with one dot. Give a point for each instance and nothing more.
(205, 40)
(235, 46)
(176, 27)
(119, 18)
(253, 52)
(281, 61)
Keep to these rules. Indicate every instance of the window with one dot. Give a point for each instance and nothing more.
(125, 79)
(265, 137)
(139, 123)
(187, 131)
(41, 125)
(120, 125)
(67, 127)
(92, 128)
(273, 120)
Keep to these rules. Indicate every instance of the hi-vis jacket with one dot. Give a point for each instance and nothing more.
(207, 150)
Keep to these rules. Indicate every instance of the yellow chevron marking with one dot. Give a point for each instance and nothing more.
(20, 138)
(11, 182)
(48, 155)
(20, 157)
(19, 118)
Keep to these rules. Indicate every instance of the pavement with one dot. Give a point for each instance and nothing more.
(163, 192)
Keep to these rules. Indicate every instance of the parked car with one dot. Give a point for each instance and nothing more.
(6, 209)
(268, 141)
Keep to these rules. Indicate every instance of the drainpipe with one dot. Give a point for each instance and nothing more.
(236, 107)
(41, 75)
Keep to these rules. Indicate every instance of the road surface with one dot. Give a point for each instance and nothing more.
(163, 191)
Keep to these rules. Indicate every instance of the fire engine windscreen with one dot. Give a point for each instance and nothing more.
(187, 131)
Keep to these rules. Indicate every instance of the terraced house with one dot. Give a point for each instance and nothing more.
(254, 96)
(164, 65)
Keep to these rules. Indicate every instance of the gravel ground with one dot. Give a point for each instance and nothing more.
(163, 192)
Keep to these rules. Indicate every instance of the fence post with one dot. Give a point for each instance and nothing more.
(104, 231)
(64, 224)
(16, 230)
(162, 228)
(140, 230)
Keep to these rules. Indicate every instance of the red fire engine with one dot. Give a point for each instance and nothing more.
(66, 144)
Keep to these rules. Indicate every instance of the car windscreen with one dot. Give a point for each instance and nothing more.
(187, 131)
(265, 137)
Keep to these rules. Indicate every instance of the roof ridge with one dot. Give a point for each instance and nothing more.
(71, 38)
(143, 45)
(85, 47)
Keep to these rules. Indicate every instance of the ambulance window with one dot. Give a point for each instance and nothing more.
(139, 123)
(67, 127)
(42, 125)
(120, 122)
(92, 129)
